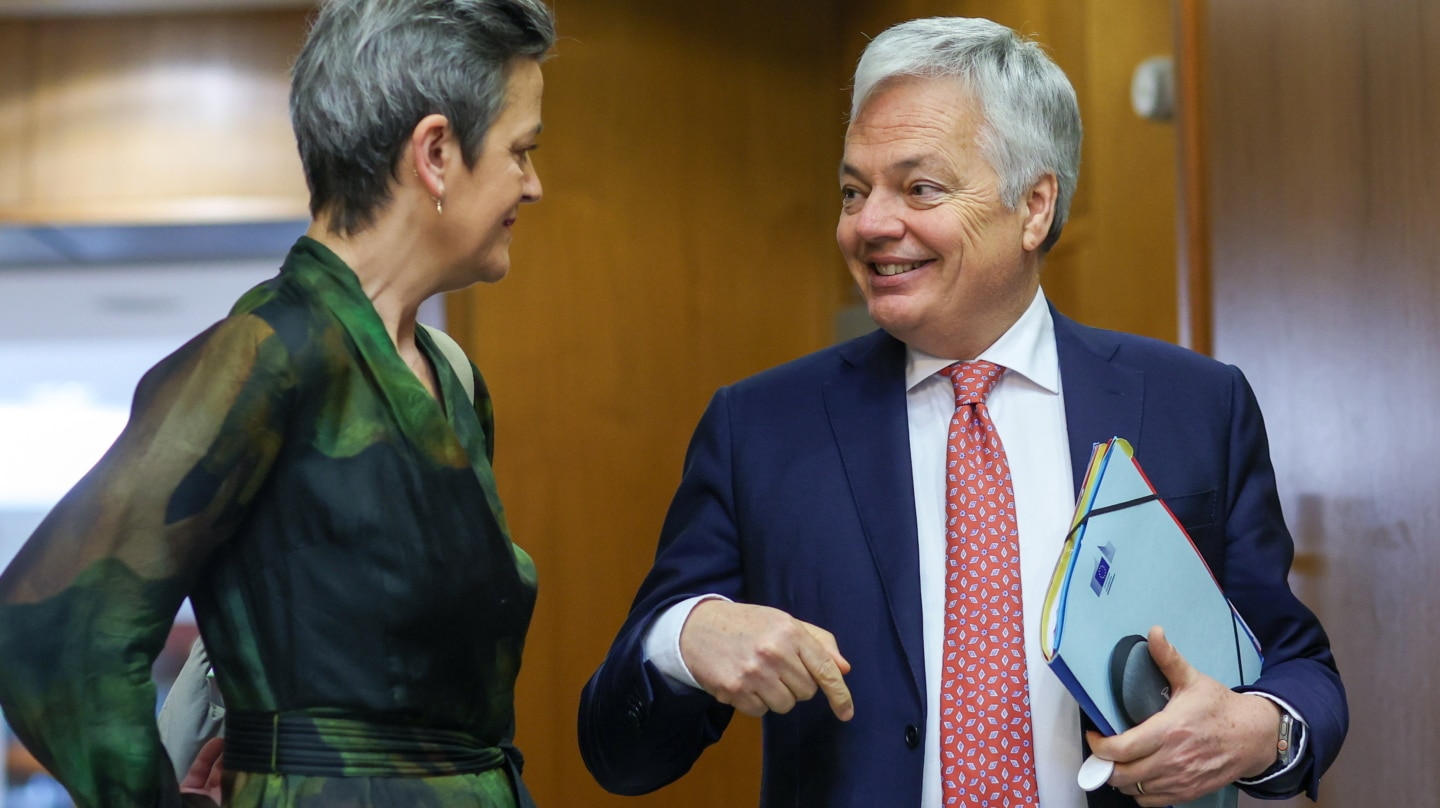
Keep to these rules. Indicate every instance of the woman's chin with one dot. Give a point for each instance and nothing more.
(492, 270)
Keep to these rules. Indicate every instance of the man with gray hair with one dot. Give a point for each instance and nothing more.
(877, 522)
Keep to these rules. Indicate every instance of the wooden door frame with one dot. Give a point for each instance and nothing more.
(1193, 219)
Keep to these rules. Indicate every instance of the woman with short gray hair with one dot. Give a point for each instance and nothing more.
(314, 471)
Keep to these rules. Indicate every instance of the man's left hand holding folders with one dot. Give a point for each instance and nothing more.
(1206, 738)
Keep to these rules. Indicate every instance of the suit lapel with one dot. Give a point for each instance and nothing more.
(866, 406)
(1103, 398)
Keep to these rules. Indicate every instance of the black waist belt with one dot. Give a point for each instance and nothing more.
(299, 743)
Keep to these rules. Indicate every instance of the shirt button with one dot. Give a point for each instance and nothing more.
(912, 736)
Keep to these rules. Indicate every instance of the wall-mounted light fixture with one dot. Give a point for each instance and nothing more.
(1152, 89)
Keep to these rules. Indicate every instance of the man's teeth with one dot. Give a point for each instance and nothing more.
(896, 269)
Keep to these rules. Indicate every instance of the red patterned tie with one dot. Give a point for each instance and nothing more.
(986, 752)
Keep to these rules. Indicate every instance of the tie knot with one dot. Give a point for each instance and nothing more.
(973, 380)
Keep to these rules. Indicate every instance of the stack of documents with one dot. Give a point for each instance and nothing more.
(1127, 565)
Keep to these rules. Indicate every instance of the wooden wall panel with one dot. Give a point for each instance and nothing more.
(15, 63)
(159, 118)
(686, 239)
(1193, 186)
(1127, 279)
(1326, 276)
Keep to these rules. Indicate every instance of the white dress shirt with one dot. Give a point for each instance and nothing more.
(1028, 409)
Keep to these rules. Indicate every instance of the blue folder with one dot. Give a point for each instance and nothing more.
(1127, 565)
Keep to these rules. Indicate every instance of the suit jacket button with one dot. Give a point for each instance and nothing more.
(912, 736)
(635, 711)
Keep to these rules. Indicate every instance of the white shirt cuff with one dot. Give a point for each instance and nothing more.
(1299, 747)
(662, 641)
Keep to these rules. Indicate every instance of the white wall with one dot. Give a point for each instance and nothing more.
(73, 343)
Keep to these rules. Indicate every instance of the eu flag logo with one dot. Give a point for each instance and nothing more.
(1102, 571)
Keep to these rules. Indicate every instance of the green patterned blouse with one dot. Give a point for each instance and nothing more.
(339, 533)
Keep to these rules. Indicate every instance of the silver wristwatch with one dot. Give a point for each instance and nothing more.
(1284, 744)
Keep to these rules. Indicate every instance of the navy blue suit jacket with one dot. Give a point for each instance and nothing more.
(797, 494)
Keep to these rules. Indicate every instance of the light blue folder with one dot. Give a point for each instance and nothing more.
(1129, 565)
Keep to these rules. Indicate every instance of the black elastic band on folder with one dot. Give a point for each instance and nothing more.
(1119, 506)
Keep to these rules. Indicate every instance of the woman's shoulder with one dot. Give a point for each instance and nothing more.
(284, 307)
(289, 328)
(239, 350)
(262, 340)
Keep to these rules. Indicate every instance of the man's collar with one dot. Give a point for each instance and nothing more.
(1026, 349)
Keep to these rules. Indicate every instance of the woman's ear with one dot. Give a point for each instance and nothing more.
(430, 155)
(1039, 207)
